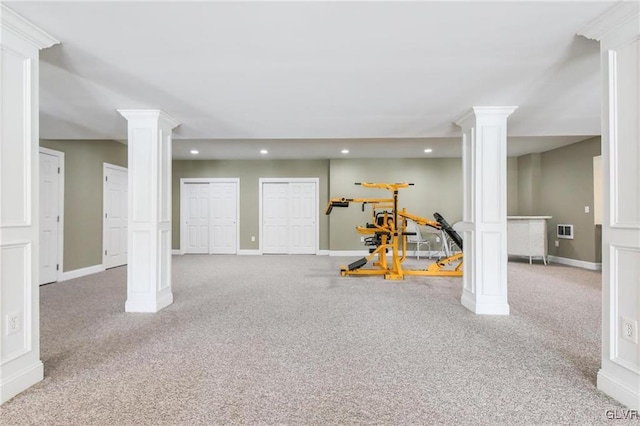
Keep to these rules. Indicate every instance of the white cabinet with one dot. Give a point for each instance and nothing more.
(527, 236)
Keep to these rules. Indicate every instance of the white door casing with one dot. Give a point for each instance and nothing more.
(209, 215)
(288, 213)
(114, 215)
(51, 215)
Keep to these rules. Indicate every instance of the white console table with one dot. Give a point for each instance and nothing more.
(527, 236)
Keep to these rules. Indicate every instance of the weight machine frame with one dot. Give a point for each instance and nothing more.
(388, 232)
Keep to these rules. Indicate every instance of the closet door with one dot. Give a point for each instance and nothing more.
(289, 211)
(275, 218)
(302, 229)
(197, 218)
(223, 218)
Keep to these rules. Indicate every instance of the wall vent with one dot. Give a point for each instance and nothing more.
(565, 231)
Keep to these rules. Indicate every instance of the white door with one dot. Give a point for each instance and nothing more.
(289, 212)
(197, 218)
(302, 234)
(115, 216)
(275, 218)
(223, 217)
(49, 217)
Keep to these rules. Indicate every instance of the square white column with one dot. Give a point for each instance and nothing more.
(20, 43)
(484, 163)
(149, 236)
(618, 31)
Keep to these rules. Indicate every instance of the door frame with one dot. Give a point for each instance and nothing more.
(60, 156)
(262, 181)
(106, 166)
(183, 207)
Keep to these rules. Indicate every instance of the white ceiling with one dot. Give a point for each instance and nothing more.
(314, 71)
(229, 149)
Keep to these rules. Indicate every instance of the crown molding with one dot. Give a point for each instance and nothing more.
(615, 17)
(156, 114)
(19, 26)
(485, 111)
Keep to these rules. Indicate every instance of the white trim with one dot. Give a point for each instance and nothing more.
(24, 29)
(577, 263)
(615, 17)
(157, 114)
(183, 231)
(612, 387)
(315, 180)
(177, 252)
(60, 156)
(410, 253)
(349, 253)
(21, 381)
(165, 299)
(106, 166)
(82, 272)
(246, 252)
(323, 253)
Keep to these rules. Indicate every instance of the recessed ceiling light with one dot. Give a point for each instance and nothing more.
(345, 151)
(428, 150)
(195, 151)
(264, 151)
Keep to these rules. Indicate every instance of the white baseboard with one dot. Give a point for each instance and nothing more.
(77, 273)
(176, 252)
(612, 387)
(347, 253)
(410, 253)
(323, 253)
(469, 302)
(20, 381)
(577, 263)
(149, 306)
(246, 252)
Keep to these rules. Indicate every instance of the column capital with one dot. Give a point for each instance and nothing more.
(485, 111)
(622, 15)
(149, 114)
(15, 24)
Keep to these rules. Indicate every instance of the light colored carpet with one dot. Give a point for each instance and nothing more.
(286, 340)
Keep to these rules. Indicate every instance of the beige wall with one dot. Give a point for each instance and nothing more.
(249, 172)
(512, 186)
(83, 196)
(566, 187)
(438, 188)
(529, 185)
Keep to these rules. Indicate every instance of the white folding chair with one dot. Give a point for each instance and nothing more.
(417, 239)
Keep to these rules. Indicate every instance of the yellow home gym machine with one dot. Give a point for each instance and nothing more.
(388, 232)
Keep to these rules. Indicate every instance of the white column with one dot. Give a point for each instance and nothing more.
(20, 42)
(149, 238)
(618, 31)
(484, 163)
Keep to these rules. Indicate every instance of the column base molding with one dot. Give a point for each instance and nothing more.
(469, 301)
(618, 390)
(149, 306)
(21, 381)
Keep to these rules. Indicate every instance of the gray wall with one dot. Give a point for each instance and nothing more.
(566, 187)
(249, 172)
(512, 186)
(438, 188)
(83, 196)
(529, 185)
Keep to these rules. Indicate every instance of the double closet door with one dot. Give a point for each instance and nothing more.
(289, 217)
(210, 212)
